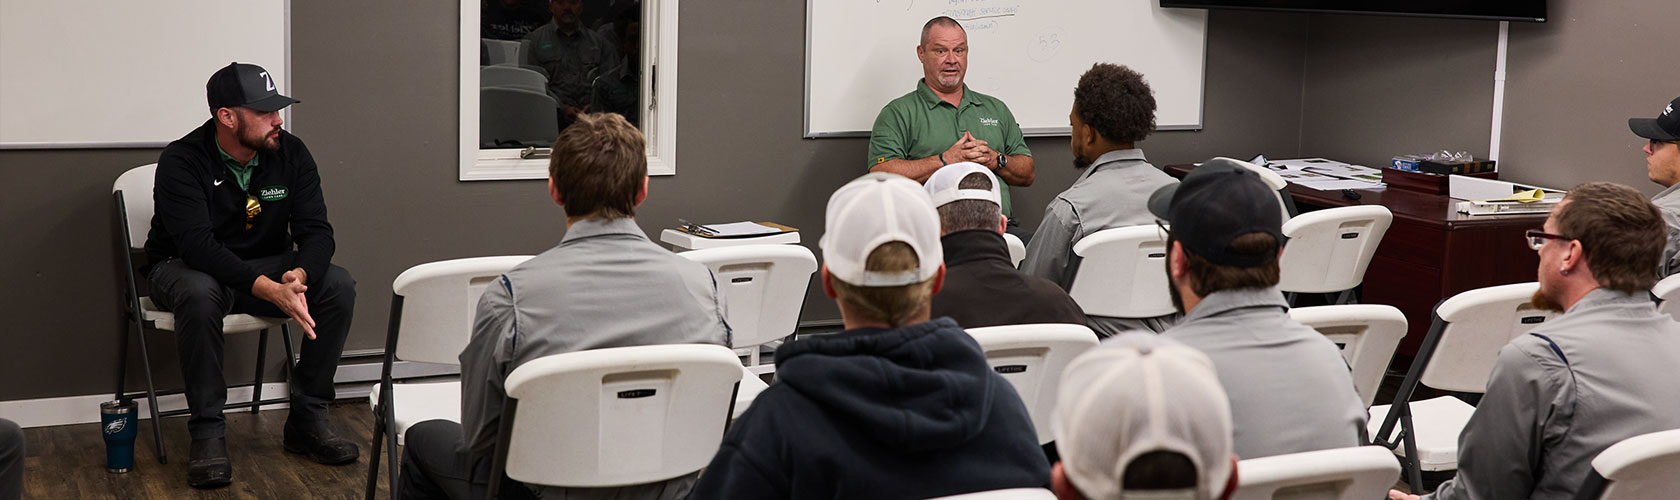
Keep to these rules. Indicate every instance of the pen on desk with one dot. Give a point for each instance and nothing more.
(699, 229)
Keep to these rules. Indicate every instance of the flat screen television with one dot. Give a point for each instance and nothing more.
(1502, 10)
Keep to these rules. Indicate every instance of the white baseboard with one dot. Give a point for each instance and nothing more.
(84, 409)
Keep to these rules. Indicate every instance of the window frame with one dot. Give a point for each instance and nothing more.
(659, 91)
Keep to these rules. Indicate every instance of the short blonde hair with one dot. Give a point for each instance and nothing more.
(895, 305)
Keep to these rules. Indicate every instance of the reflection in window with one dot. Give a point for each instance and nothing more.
(542, 62)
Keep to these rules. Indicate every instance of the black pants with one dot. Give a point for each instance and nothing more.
(436, 465)
(199, 303)
(11, 460)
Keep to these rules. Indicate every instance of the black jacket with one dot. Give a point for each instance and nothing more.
(983, 289)
(878, 414)
(200, 215)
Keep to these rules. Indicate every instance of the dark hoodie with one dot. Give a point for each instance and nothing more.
(879, 414)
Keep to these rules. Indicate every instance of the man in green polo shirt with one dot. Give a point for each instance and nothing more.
(943, 122)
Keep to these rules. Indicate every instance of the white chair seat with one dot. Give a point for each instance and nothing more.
(1009, 494)
(751, 385)
(1438, 422)
(232, 323)
(419, 402)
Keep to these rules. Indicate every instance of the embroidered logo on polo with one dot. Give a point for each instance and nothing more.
(273, 193)
(990, 122)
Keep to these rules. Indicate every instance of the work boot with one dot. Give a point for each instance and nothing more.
(315, 440)
(209, 467)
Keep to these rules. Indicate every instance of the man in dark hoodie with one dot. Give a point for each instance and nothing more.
(982, 288)
(896, 406)
(241, 227)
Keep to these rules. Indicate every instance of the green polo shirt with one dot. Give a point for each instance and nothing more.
(241, 173)
(919, 125)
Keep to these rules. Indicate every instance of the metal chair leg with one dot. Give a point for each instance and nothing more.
(257, 380)
(151, 394)
(1414, 466)
(373, 457)
(391, 448)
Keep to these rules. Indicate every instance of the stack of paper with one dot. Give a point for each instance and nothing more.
(1328, 175)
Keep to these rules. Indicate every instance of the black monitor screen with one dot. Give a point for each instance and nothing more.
(1509, 10)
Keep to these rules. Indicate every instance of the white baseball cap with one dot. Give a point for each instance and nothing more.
(873, 210)
(942, 185)
(1138, 393)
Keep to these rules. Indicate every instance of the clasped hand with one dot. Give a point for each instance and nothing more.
(288, 295)
(970, 149)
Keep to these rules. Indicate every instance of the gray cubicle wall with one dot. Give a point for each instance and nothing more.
(383, 129)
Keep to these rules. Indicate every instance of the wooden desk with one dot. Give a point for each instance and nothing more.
(1431, 251)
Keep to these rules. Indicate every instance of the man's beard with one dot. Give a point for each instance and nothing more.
(1081, 162)
(1543, 301)
(260, 141)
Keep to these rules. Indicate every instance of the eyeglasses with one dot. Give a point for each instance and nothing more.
(1655, 142)
(1537, 238)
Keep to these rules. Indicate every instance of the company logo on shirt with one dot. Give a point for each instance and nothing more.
(990, 122)
(273, 193)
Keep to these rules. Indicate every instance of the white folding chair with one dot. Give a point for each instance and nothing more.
(1032, 358)
(1636, 468)
(132, 193)
(432, 310)
(1329, 250)
(512, 77)
(763, 289)
(503, 52)
(1279, 185)
(510, 117)
(1017, 249)
(615, 417)
(1358, 473)
(1367, 334)
(1457, 355)
(1122, 273)
(1009, 494)
(1668, 291)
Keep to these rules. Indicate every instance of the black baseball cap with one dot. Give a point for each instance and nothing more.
(1216, 203)
(1665, 127)
(246, 85)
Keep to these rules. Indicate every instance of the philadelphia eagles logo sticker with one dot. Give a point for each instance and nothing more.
(273, 193)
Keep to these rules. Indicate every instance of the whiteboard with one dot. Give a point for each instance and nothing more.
(860, 54)
(117, 73)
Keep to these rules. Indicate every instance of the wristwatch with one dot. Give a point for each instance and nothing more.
(1002, 161)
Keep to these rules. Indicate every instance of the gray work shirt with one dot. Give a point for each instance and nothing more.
(1603, 371)
(605, 285)
(572, 61)
(1668, 202)
(1113, 192)
(1289, 386)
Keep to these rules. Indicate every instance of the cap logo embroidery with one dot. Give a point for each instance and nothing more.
(268, 81)
(1668, 109)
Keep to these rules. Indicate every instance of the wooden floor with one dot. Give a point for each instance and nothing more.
(69, 461)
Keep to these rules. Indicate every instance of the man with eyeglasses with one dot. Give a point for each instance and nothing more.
(1601, 372)
(1662, 166)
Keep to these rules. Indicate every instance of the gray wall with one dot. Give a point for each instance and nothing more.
(1573, 83)
(1379, 86)
(378, 91)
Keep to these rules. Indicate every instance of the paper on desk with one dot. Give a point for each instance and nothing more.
(744, 228)
(1329, 175)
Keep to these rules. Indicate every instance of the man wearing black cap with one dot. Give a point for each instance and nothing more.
(1662, 166)
(241, 227)
(1290, 388)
